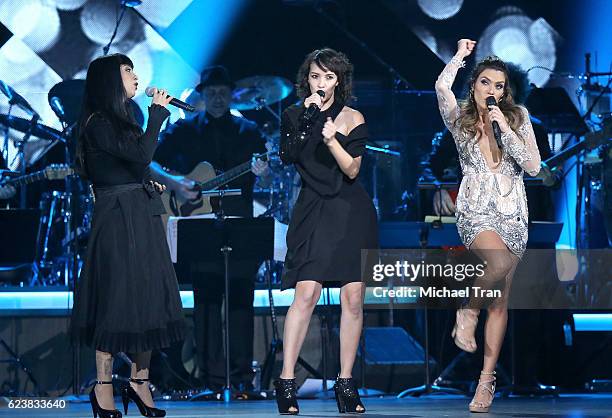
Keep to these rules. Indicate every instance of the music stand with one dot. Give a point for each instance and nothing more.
(245, 238)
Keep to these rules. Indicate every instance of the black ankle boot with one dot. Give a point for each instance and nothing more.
(347, 396)
(286, 396)
(127, 393)
(95, 406)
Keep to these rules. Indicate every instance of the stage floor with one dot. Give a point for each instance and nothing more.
(584, 406)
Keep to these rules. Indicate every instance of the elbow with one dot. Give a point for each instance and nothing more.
(353, 173)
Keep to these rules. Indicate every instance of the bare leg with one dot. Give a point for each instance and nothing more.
(140, 370)
(307, 294)
(501, 263)
(351, 322)
(104, 373)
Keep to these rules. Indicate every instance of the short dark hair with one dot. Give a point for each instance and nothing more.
(329, 60)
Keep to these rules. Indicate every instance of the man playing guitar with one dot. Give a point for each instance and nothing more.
(225, 141)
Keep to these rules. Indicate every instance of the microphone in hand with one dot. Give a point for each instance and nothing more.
(496, 130)
(174, 102)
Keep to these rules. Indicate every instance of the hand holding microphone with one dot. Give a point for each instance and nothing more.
(313, 105)
(161, 98)
(498, 120)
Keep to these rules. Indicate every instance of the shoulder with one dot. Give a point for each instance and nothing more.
(351, 117)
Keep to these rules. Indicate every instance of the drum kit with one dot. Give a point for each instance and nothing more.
(66, 215)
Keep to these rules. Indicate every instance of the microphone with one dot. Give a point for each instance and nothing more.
(174, 102)
(313, 109)
(58, 109)
(496, 131)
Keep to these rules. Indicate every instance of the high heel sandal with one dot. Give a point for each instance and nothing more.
(127, 393)
(95, 406)
(478, 406)
(286, 396)
(347, 396)
(465, 323)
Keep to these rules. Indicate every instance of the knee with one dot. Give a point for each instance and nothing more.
(498, 267)
(306, 299)
(498, 309)
(352, 304)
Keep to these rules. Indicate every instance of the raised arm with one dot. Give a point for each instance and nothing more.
(447, 103)
(522, 146)
(291, 142)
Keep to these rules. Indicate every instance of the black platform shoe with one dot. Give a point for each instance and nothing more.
(127, 393)
(286, 396)
(95, 406)
(347, 396)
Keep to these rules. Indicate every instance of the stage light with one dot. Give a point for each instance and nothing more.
(426, 37)
(33, 21)
(131, 3)
(68, 5)
(516, 38)
(98, 22)
(440, 9)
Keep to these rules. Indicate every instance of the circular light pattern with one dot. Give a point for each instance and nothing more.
(68, 5)
(513, 38)
(98, 20)
(440, 9)
(37, 24)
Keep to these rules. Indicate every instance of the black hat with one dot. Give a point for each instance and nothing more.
(215, 76)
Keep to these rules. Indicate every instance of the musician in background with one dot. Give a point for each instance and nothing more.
(225, 141)
(6, 192)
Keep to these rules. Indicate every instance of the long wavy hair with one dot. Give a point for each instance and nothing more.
(329, 60)
(105, 95)
(468, 111)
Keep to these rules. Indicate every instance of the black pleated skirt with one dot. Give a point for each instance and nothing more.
(127, 297)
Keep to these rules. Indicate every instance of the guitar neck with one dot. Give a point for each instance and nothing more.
(226, 177)
(22, 181)
(565, 154)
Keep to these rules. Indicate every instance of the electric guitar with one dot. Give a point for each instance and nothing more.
(52, 172)
(206, 179)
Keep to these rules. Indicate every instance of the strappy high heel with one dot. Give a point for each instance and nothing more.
(464, 329)
(127, 393)
(347, 396)
(286, 396)
(483, 386)
(95, 406)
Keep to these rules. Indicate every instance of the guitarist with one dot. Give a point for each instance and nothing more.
(225, 141)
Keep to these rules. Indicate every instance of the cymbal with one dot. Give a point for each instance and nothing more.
(37, 129)
(257, 91)
(17, 99)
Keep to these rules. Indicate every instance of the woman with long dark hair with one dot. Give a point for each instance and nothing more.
(332, 221)
(127, 297)
(491, 205)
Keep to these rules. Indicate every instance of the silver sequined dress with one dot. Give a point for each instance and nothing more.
(490, 199)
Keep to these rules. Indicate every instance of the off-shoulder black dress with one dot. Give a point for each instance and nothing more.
(333, 218)
(127, 297)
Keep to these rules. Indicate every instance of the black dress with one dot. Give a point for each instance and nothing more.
(333, 218)
(127, 298)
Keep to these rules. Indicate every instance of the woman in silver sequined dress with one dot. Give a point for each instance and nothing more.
(491, 204)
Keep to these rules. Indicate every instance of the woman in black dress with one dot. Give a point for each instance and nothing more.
(127, 299)
(332, 221)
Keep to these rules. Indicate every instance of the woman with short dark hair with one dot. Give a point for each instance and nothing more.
(332, 221)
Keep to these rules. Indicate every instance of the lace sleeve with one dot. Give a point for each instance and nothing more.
(447, 103)
(522, 146)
